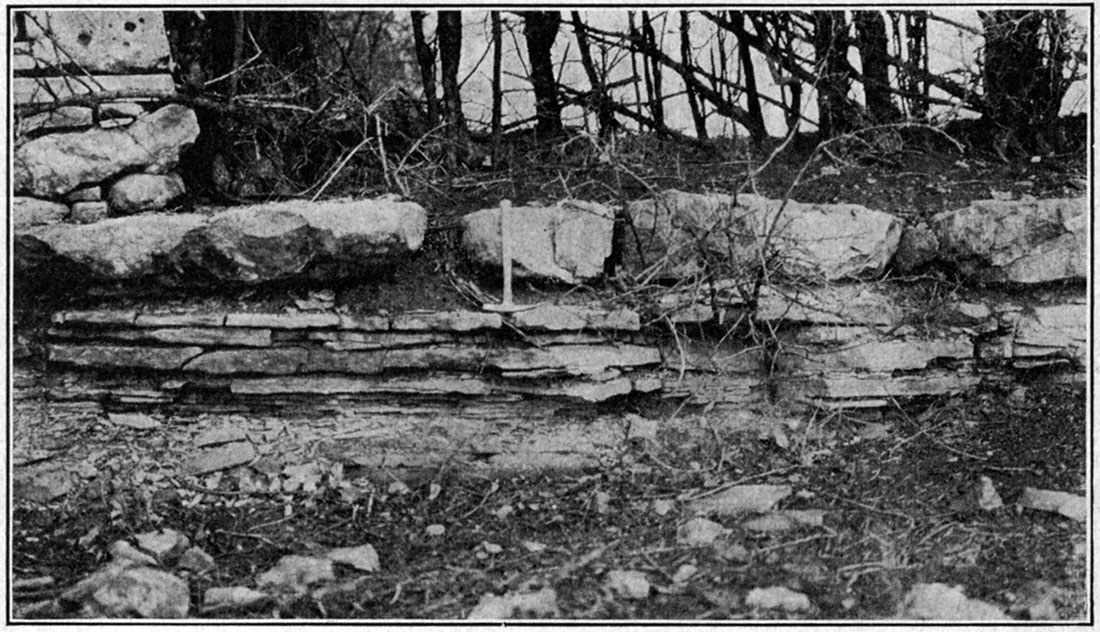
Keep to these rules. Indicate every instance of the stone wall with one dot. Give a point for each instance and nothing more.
(93, 136)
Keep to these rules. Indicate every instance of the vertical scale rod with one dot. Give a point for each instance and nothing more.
(506, 249)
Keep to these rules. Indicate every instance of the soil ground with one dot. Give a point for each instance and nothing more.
(893, 484)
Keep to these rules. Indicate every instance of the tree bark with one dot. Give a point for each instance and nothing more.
(688, 60)
(757, 130)
(498, 96)
(449, 35)
(830, 53)
(916, 36)
(874, 54)
(425, 58)
(540, 30)
(656, 88)
(598, 99)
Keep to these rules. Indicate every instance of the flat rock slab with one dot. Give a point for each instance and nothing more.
(870, 351)
(228, 336)
(100, 356)
(576, 318)
(741, 499)
(569, 241)
(27, 212)
(457, 321)
(1032, 241)
(125, 591)
(113, 42)
(221, 457)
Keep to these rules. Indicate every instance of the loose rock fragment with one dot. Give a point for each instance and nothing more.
(295, 574)
(777, 598)
(220, 458)
(939, 602)
(364, 557)
(741, 499)
(629, 584)
(1069, 505)
(138, 421)
(197, 560)
(541, 604)
(164, 545)
(124, 553)
(120, 591)
(233, 598)
(699, 532)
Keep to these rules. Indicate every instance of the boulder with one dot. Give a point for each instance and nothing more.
(27, 212)
(110, 250)
(250, 244)
(141, 192)
(55, 164)
(684, 233)
(264, 242)
(1020, 241)
(568, 241)
(85, 194)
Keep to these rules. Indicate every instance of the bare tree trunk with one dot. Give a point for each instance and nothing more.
(599, 101)
(633, 34)
(238, 50)
(656, 91)
(425, 58)
(757, 130)
(873, 53)
(688, 61)
(498, 97)
(541, 29)
(916, 35)
(830, 51)
(449, 35)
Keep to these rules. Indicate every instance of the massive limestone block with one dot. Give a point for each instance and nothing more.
(568, 241)
(27, 212)
(249, 244)
(681, 234)
(264, 242)
(141, 192)
(114, 42)
(110, 250)
(1024, 241)
(53, 165)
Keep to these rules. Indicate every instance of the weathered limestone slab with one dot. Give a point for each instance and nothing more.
(225, 336)
(109, 356)
(568, 241)
(584, 390)
(282, 321)
(221, 457)
(701, 389)
(445, 321)
(27, 212)
(361, 229)
(364, 323)
(1031, 241)
(576, 318)
(88, 212)
(1044, 334)
(282, 361)
(166, 319)
(364, 341)
(711, 357)
(115, 42)
(827, 241)
(869, 351)
(330, 385)
(437, 358)
(876, 385)
(53, 165)
(96, 317)
(114, 249)
(574, 359)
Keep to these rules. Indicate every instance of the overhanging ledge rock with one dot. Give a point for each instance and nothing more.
(248, 244)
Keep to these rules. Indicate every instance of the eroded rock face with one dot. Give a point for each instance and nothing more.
(685, 233)
(567, 242)
(1024, 241)
(55, 164)
(115, 42)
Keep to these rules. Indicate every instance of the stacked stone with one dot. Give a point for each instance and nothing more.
(101, 157)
